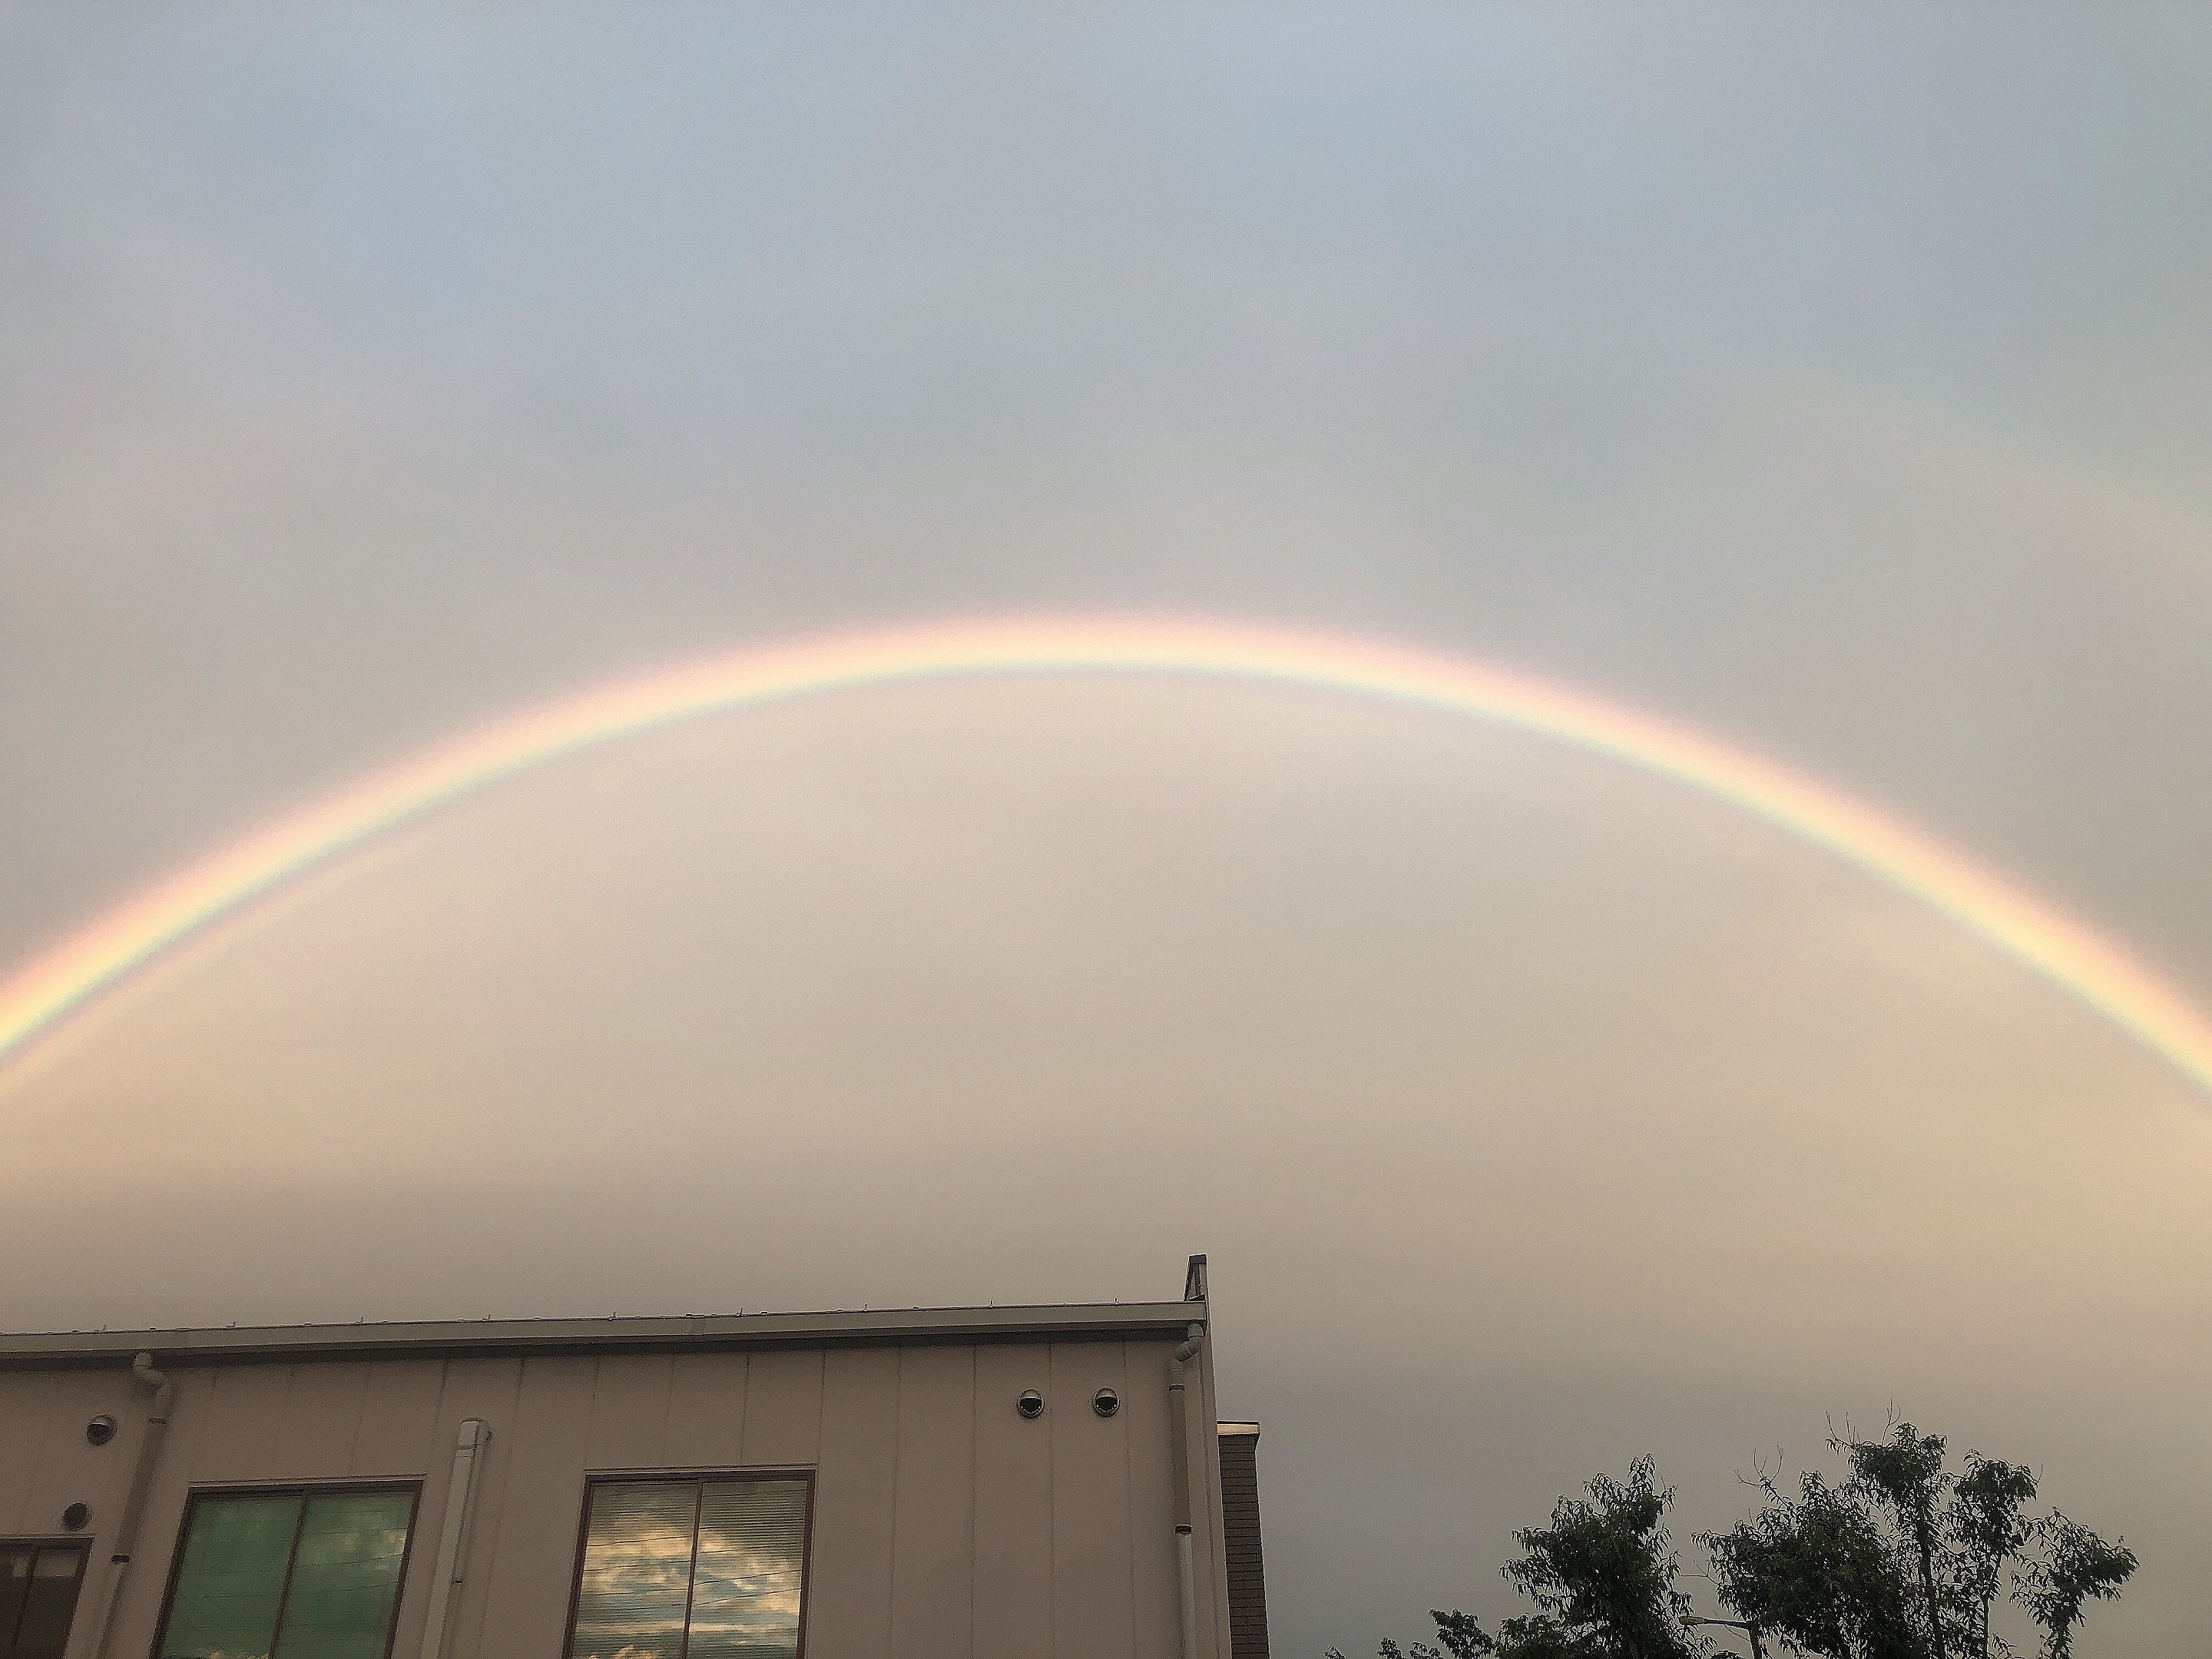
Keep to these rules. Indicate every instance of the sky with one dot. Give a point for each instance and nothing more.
(1836, 380)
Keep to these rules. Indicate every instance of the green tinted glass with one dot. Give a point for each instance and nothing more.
(637, 1570)
(745, 1597)
(345, 1576)
(232, 1578)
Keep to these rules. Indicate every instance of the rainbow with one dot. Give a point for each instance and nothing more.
(43, 994)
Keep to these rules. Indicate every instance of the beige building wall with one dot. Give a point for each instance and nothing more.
(944, 1524)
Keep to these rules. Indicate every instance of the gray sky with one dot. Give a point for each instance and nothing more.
(1837, 378)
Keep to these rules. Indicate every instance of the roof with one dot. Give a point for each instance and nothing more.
(1083, 1322)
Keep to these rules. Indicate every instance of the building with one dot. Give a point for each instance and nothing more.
(992, 1481)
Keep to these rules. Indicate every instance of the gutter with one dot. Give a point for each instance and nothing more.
(134, 1505)
(454, 1533)
(1179, 1434)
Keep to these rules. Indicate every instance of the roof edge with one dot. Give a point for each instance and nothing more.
(1093, 1322)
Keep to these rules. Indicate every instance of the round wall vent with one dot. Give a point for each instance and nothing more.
(100, 1430)
(1031, 1404)
(1105, 1402)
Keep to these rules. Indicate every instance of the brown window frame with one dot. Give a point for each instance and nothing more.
(77, 1541)
(302, 1490)
(680, 1477)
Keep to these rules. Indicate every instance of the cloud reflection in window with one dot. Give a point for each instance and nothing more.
(719, 1559)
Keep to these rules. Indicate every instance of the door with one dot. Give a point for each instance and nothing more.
(39, 1583)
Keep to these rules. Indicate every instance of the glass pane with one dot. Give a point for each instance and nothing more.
(637, 1570)
(15, 1585)
(752, 1544)
(232, 1578)
(345, 1576)
(45, 1629)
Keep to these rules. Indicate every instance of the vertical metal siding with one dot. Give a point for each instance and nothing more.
(849, 1601)
(527, 1595)
(783, 1407)
(933, 1520)
(629, 1413)
(1212, 1566)
(707, 1398)
(946, 1524)
(1090, 1505)
(1013, 1583)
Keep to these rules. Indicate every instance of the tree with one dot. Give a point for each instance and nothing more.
(1603, 1568)
(1902, 1560)
(2076, 1567)
(1905, 1560)
(1601, 1576)
(1988, 1532)
(1906, 1473)
(1818, 1572)
(1537, 1637)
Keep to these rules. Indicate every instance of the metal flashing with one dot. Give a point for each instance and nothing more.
(1097, 1322)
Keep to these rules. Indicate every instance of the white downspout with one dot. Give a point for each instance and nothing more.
(134, 1505)
(454, 1534)
(1179, 1440)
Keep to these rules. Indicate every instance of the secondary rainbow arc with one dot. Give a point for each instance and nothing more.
(41, 995)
